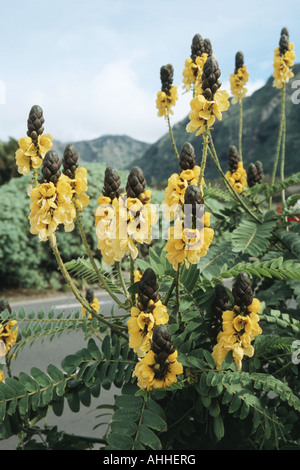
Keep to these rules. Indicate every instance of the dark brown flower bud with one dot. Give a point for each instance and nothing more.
(208, 47)
(187, 158)
(161, 341)
(284, 41)
(147, 289)
(193, 203)
(89, 295)
(136, 182)
(4, 305)
(233, 158)
(255, 174)
(210, 75)
(70, 161)
(50, 168)
(35, 122)
(242, 290)
(197, 47)
(112, 183)
(219, 305)
(239, 61)
(166, 77)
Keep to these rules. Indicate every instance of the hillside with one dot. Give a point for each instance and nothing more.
(261, 115)
(114, 150)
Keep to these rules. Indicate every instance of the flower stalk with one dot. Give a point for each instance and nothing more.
(77, 294)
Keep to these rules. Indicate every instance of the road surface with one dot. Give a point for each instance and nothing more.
(42, 354)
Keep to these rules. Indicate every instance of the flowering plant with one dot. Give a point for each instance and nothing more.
(199, 353)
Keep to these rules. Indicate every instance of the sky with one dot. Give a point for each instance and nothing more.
(94, 65)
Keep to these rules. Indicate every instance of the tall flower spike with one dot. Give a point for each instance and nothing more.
(33, 147)
(284, 57)
(239, 78)
(236, 174)
(209, 101)
(70, 161)
(112, 183)
(159, 368)
(51, 168)
(167, 96)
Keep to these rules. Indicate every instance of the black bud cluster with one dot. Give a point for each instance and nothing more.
(210, 77)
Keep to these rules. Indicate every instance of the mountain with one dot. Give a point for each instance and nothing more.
(118, 151)
(261, 117)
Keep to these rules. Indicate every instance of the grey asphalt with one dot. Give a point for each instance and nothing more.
(42, 354)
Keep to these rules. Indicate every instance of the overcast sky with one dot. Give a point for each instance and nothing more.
(94, 66)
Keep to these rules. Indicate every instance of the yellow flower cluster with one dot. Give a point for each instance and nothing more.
(142, 323)
(238, 178)
(30, 155)
(237, 83)
(8, 336)
(238, 331)
(192, 72)
(145, 371)
(282, 66)
(175, 190)
(95, 305)
(188, 245)
(122, 223)
(54, 205)
(204, 112)
(164, 101)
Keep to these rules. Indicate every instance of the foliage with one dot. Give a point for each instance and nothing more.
(254, 406)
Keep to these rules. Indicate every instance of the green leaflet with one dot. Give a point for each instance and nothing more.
(251, 237)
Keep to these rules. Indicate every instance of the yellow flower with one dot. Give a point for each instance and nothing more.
(238, 178)
(1, 376)
(141, 326)
(165, 101)
(238, 330)
(30, 155)
(282, 66)
(150, 374)
(175, 191)
(237, 83)
(188, 244)
(8, 335)
(95, 305)
(192, 71)
(204, 112)
(47, 211)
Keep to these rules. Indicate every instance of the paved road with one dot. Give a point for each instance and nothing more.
(42, 354)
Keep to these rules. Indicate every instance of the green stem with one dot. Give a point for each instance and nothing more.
(168, 295)
(178, 286)
(77, 294)
(204, 157)
(241, 129)
(132, 277)
(172, 137)
(279, 140)
(215, 159)
(283, 159)
(100, 276)
(119, 267)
